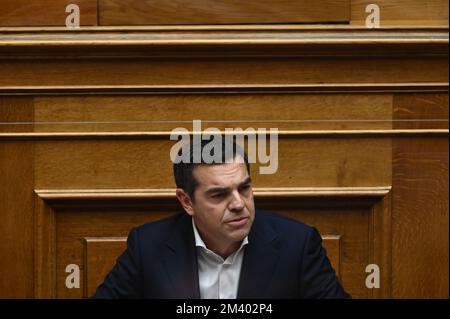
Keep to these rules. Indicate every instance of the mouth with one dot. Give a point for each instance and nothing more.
(238, 222)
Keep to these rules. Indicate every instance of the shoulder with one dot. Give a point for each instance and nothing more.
(280, 221)
(282, 225)
(162, 229)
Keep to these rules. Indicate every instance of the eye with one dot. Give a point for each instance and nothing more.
(219, 195)
(245, 187)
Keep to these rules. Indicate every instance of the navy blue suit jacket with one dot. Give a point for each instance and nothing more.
(283, 259)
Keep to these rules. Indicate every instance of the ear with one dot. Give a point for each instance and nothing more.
(185, 201)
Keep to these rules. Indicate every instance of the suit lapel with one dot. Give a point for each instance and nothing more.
(180, 261)
(260, 260)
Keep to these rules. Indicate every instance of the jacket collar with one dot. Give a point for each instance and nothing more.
(260, 259)
(180, 260)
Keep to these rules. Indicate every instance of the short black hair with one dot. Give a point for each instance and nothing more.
(183, 167)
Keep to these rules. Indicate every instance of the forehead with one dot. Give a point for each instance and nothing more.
(220, 174)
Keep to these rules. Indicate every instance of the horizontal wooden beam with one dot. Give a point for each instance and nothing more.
(225, 27)
(238, 41)
(166, 135)
(228, 89)
(278, 192)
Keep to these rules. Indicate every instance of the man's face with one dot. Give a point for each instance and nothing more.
(223, 209)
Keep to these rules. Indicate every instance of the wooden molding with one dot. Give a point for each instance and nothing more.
(44, 250)
(334, 243)
(319, 28)
(169, 193)
(115, 198)
(225, 89)
(166, 135)
(92, 247)
(380, 237)
(184, 42)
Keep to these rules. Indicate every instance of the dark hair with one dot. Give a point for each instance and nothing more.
(183, 167)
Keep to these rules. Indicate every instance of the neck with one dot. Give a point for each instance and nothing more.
(223, 249)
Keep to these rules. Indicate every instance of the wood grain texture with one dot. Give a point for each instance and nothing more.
(145, 12)
(45, 13)
(60, 198)
(133, 12)
(44, 243)
(225, 41)
(100, 254)
(166, 112)
(420, 218)
(326, 162)
(224, 71)
(380, 238)
(420, 201)
(333, 247)
(116, 90)
(82, 136)
(72, 228)
(16, 204)
(403, 12)
(421, 110)
(16, 114)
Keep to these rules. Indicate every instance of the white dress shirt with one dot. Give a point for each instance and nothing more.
(218, 278)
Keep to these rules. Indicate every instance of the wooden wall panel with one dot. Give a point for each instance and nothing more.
(100, 254)
(420, 181)
(420, 218)
(99, 113)
(44, 12)
(182, 12)
(403, 12)
(135, 12)
(333, 246)
(16, 202)
(321, 161)
(72, 227)
(239, 71)
(420, 111)
(16, 114)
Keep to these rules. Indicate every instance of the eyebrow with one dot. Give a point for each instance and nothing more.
(212, 190)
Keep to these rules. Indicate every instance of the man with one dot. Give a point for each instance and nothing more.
(220, 247)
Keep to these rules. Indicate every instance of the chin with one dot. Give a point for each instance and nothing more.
(239, 235)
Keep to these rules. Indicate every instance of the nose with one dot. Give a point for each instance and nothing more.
(236, 204)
